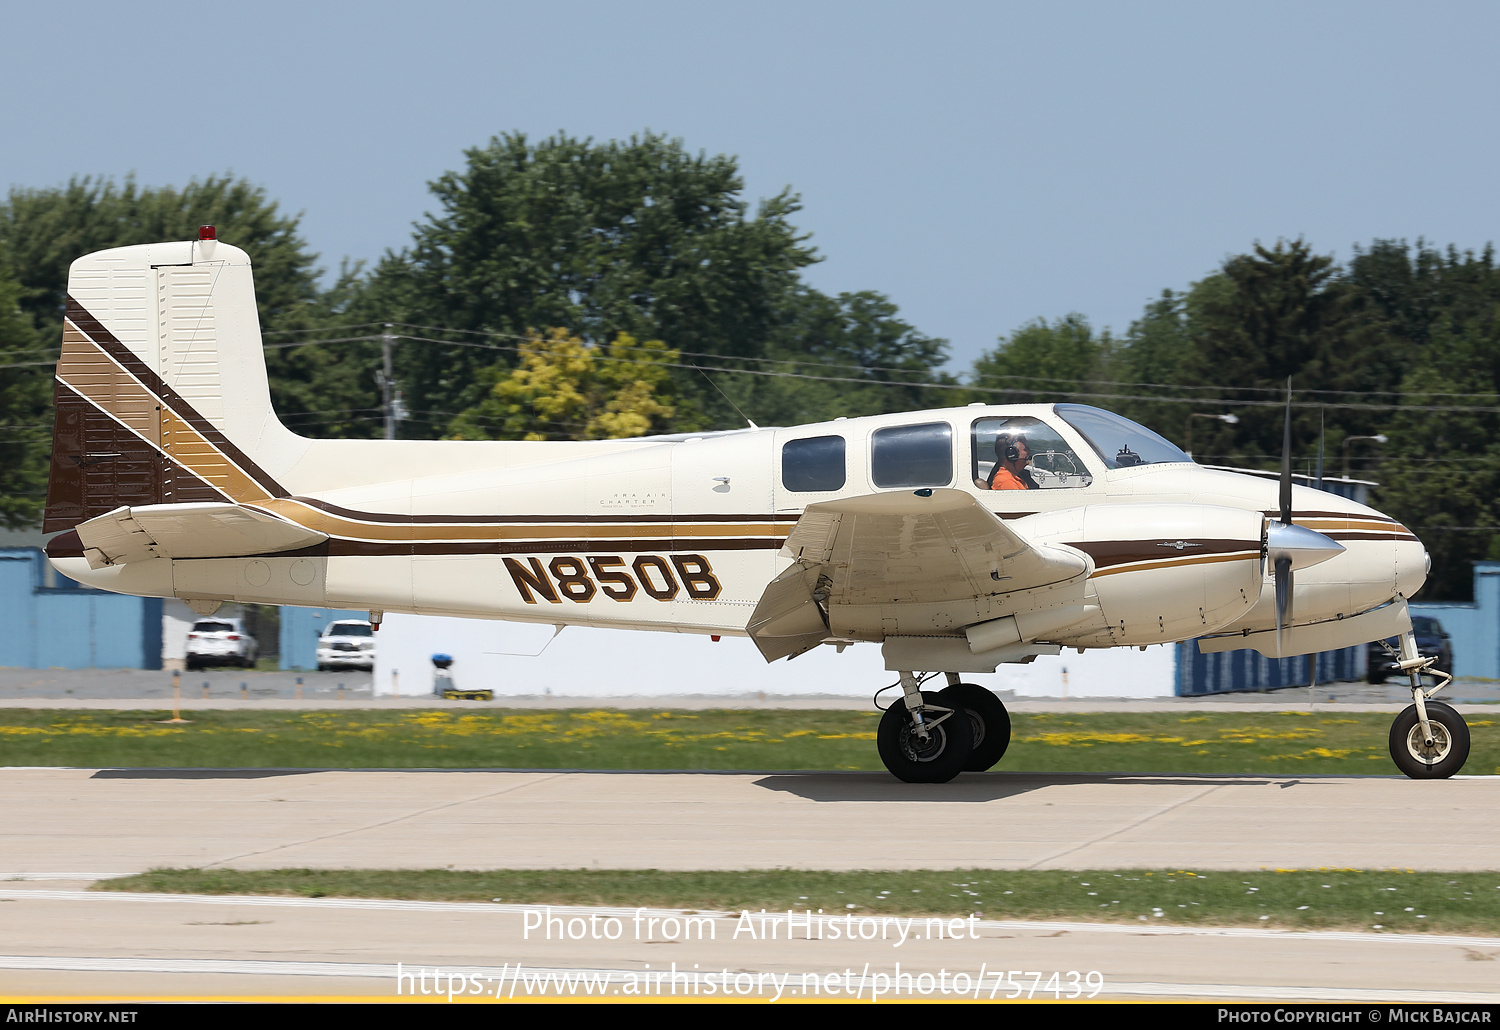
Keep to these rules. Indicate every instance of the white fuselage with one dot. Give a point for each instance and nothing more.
(683, 535)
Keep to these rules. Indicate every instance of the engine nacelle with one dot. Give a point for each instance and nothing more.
(1162, 572)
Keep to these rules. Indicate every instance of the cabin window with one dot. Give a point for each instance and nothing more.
(1023, 453)
(813, 464)
(913, 455)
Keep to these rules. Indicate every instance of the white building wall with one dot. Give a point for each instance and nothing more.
(517, 659)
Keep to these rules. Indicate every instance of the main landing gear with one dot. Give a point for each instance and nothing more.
(1429, 740)
(932, 737)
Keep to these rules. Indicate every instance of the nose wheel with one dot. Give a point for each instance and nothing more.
(1432, 754)
(1429, 740)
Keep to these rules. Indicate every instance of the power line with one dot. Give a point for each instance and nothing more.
(318, 329)
(930, 385)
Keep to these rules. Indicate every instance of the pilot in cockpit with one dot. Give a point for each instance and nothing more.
(1013, 454)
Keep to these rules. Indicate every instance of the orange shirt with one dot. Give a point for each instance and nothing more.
(1004, 479)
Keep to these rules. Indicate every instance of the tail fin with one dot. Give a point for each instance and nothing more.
(161, 392)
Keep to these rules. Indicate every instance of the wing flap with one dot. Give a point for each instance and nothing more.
(788, 620)
(205, 530)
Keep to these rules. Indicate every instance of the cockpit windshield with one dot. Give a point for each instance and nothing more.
(1119, 441)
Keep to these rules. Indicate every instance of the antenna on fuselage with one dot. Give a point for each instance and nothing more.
(1321, 428)
(733, 405)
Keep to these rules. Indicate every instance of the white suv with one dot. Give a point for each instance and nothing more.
(220, 642)
(346, 644)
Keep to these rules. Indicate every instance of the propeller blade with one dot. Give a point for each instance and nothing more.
(1286, 459)
(1283, 598)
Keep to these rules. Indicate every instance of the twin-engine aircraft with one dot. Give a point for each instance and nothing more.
(956, 539)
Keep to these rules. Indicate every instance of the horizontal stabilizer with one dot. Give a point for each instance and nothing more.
(202, 530)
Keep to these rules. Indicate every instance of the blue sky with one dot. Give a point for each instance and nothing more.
(983, 164)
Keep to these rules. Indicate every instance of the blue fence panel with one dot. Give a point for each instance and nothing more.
(1474, 628)
(1226, 672)
(63, 625)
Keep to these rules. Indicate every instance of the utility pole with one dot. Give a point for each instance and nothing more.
(386, 340)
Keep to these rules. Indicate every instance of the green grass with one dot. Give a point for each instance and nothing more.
(1288, 743)
(1393, 901)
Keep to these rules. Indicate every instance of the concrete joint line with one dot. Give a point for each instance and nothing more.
(383, 822)
(1125, 829)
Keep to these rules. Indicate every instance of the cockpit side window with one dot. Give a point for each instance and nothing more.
(1023, 453)
(1119, 441)
(813, 464)
(920, 455)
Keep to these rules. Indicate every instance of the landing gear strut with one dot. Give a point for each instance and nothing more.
(922, 740)
(1429, 740)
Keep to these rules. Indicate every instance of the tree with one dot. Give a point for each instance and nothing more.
(24, 421)
(1278, 313)
(1441, 471)
(564, 389)
(637, 237)
(45, 230)
(828, 356)
(1042, 360)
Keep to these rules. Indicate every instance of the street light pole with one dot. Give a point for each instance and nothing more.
(386, 339)
(1378, 438)
(1230, 419)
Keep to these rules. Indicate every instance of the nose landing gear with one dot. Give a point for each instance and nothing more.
(1429, 740)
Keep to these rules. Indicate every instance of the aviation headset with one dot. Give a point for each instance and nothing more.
(1006, 445)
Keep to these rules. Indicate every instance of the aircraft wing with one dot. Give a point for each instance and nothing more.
(202, 530)
(896, 548)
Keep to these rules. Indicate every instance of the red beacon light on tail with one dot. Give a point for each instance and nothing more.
(207, 233)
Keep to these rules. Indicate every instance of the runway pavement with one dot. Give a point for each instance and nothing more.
(66, 827)
(87, 823)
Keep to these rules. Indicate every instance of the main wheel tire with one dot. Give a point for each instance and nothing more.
(943, 755)
(989, 722)
(1450, 743)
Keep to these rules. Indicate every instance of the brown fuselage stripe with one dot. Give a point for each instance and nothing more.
(1202, 559)
(1107, 553)
(337, 547)
(482, 520)
(1376, 517)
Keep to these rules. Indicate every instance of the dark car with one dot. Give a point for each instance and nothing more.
(1431, 641)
